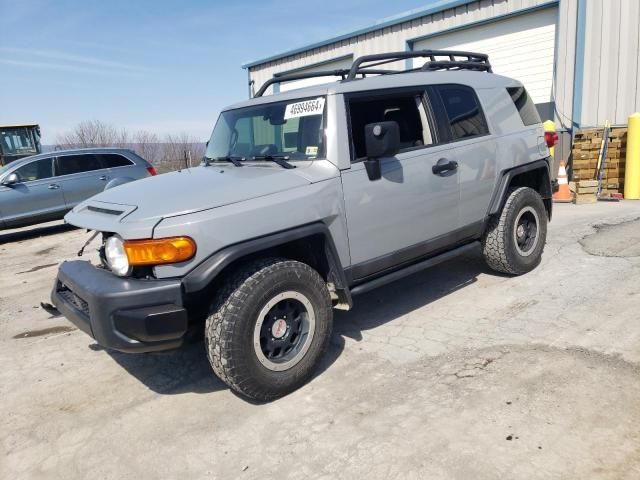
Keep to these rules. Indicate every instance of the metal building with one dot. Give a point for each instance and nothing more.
(579, 59)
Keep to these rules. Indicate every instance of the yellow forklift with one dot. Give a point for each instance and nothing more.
(17, 141)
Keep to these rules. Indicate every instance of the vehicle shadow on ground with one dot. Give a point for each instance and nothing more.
(187, 369)
(396, 299)
(29, 233)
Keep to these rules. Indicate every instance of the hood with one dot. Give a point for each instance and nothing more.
(187, 191)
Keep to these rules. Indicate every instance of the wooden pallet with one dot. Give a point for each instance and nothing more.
(586, 150)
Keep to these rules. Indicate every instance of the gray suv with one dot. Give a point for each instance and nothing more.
(306, 199)
(45, 187)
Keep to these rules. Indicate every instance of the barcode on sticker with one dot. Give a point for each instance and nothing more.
(304, 109)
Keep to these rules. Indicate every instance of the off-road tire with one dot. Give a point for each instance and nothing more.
(229, 330)
(498, 243)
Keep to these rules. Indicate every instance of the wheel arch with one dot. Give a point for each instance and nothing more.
(534, 175)
(311, 244)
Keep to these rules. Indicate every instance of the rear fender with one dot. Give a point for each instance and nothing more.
(534, 175)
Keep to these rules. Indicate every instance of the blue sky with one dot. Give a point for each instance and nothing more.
(162, 66)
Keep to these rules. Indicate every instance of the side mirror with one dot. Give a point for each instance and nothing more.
(11, 179)
(382, 139)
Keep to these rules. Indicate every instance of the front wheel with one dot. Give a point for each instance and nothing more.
(514, 240)
(269, 327)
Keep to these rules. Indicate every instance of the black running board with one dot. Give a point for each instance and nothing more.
(411, 269)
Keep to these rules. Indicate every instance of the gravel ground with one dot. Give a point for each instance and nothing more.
(455, 372)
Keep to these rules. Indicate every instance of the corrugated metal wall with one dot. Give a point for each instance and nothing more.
(519, 46)
(564, 63)
(564, 78)
(606, 77)
(610, 78)
(394, 38)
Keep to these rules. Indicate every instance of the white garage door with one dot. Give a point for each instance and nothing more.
(520, 47)
(344, 62)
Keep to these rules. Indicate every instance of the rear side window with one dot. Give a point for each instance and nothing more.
(69, 164)
(112, 160)
(526, 108)
(463, 111)
(404, 108)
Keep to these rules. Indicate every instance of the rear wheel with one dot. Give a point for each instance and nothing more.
(514, 240)
(269, 327)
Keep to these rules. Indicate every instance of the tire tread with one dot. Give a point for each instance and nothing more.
(494, 241)
(225, 309)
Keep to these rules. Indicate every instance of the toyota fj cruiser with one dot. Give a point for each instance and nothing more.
(306, 199)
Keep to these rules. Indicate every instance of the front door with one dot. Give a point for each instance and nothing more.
(411, 211)
(34, 198)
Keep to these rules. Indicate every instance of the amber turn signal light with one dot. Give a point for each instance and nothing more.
(159, 251)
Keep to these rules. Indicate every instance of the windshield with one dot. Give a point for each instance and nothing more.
(17, 141)
(293, 129)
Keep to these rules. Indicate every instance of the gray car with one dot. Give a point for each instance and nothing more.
(306, 199)
(45, 187)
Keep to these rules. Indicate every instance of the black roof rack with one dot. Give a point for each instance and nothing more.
(287, 77)
(363, 66)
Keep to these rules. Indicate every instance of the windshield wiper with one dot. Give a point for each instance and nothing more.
(279, 159)
(228, 158)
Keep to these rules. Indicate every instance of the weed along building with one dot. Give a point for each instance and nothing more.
(579, 59)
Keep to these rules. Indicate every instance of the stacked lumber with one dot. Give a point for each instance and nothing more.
(585, 192)
(585, 151)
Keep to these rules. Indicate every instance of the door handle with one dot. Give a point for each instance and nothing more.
(53, 186)
(443, 165)
(103, 177)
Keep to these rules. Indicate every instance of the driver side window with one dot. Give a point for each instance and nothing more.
(404, 108)
(38, 170)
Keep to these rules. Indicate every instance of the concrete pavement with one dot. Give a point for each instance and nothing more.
(456, 372)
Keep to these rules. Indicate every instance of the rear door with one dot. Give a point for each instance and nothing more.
(36, 197)
(411, 211)
(81, 176)
(462, 124)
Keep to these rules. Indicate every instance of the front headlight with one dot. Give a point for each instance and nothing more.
(116, 256)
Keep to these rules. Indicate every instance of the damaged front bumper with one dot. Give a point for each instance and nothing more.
(125, 314)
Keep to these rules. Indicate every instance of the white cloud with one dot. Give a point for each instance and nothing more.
(63, 67)
(55, 60)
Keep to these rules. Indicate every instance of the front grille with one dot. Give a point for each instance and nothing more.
(74, 300)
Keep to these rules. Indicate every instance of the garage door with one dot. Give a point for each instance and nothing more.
(521, 47)
(343, 62)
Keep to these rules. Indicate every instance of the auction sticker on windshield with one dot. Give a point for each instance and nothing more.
(304, 109)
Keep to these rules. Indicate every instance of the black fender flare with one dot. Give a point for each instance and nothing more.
(499, 195)
(202, 275)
